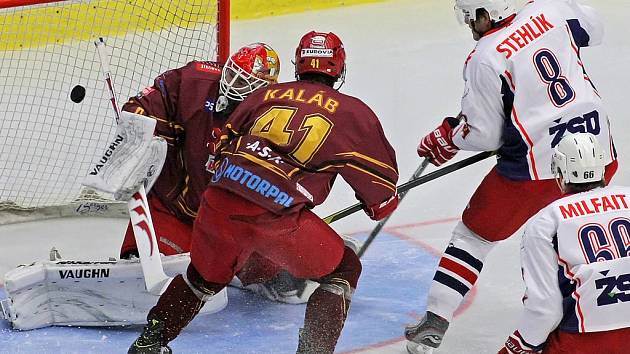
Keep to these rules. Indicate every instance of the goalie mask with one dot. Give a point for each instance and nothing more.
(499, 10)
(321, 53)
(250, 68)
(578, 158)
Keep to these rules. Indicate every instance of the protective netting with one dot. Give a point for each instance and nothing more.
(48, 142)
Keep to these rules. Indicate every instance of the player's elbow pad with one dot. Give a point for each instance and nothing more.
(382, 210)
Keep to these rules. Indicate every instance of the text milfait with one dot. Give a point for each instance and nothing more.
(593, 205)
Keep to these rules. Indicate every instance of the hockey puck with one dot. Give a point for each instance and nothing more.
(77, 94)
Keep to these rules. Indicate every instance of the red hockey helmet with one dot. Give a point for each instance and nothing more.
(251, 67)
(321, 53)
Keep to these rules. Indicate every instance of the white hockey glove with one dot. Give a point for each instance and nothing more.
(134, 157)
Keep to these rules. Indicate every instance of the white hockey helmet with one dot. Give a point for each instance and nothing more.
(579, 159)
(499, 10)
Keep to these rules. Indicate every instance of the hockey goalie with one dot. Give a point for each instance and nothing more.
(97, 293)
(163, 142)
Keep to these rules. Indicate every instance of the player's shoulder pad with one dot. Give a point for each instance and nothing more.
(357, 106)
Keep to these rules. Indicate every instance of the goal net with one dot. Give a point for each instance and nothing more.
(48, 142)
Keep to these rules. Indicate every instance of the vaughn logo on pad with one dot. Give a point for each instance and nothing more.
(316, 52)
(84, 273)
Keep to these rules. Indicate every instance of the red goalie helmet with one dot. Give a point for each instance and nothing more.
(321, 53)
(250, 68)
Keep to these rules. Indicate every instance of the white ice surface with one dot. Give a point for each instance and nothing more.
(405, 60)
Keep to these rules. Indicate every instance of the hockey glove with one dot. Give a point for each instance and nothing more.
(213, 148)
(515, 344)
(438, 145)
(381, 210)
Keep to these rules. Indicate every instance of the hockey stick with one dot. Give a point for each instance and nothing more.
(155, 279)
(382, 223)
(415, 182)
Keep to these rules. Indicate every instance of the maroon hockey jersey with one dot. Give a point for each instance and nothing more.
(286, 144)
(182, 101)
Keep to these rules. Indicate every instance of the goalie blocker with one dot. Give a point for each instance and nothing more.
(134, 157)
(80, 293)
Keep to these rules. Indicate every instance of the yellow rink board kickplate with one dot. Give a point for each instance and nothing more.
(63, 21)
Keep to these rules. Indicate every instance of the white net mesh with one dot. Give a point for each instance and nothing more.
(48, 142)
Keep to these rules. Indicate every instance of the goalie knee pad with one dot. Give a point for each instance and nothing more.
(203, 289)
(351, 242)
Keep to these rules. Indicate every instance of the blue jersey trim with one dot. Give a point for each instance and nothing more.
(569, 321)
(580, 36)
(512, 155)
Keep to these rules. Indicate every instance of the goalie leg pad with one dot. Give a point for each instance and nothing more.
(79, 293)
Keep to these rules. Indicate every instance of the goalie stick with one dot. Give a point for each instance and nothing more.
(415, 182)
(382, 223)
(155, 279)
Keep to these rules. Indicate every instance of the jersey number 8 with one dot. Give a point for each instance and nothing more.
(558, 88)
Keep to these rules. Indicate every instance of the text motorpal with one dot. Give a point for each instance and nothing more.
(252, 181)
(108, 153)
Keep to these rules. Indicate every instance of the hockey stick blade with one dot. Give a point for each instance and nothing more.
(416, 182)
(417, 173)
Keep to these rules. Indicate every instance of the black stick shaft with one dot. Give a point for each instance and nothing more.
(416, 182)
(381, 224)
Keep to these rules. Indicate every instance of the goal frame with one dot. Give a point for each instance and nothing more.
(223, 18)
(92, 205)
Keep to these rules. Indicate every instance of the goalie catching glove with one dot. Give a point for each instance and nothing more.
(134, 157)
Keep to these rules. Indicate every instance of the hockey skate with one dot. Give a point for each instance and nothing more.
(426, 335)
(150, 341)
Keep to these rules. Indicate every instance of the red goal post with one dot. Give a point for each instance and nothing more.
(47, 141)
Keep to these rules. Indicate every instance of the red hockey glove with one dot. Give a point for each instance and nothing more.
(438, 145)
(381, 210)
(516, 345)
(213, 147)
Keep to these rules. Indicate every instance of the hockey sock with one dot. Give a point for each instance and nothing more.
(457, 271)
(327, 307)
(180, 303)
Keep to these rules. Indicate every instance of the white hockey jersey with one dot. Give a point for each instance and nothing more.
(575, 256)
(526, 86)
